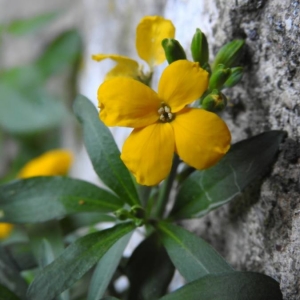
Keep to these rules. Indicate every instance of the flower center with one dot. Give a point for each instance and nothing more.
(165, 114)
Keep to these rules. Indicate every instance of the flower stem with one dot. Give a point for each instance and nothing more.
(165, 190)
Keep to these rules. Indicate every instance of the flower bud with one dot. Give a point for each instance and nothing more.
(215, 101)
(229, 54)
(199, 47)
(138, 212)
(173, 50)
(218, 78)
(235, 77)
(122, 214)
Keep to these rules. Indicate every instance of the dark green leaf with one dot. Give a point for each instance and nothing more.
(109, 298)
(106, 268)
(10, 274)
(74, 262)
(6, 294)
(40, 199)
(64, 51)
(230, 286)
(206, 190)
(22, 255)
(46, 241)
(149, 270)
(191, 255)
(104, 152)
(31, 112)
(30, 25)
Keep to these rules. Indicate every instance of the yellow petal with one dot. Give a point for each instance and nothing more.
(5, 230)
(148, 153)
(201, 137)
(181, 83)
(149, 33)
(125, 67)
(54, 162)
(127, 102)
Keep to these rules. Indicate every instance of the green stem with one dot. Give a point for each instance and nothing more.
(164, 192)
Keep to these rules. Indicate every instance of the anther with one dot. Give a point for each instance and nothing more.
(161, 110)
(167, 109)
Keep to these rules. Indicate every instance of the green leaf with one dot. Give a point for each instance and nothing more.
(104, 153)
(191, 255)
(22, 255)
(149, 270)
(6, 294)
(206, 190)
(30, 25)
(10, 275)
(106, 268)
(29, 112)
(46, 241)
(63, 51)
(39, 199)
(74, 262)
(230, 286)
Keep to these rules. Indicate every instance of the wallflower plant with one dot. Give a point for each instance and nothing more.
(176, 164)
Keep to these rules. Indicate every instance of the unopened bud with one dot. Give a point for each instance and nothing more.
(173, 50)
(122, 214)
(235, 77)
(199, 48)
(215, 101)
(218, 78)
(138, 212)
(230, 54)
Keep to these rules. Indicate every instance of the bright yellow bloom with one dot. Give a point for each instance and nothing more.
(54, 162)
(5, 230)
(149, 33)
(162, 122)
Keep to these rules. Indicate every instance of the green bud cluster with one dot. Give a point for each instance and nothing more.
(224, 72)
(136, 213)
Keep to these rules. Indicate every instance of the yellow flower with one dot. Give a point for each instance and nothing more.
(54, 162)
(5, 230)
(162, 122)
(149, 33)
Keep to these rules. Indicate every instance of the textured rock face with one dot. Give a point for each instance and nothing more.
(260, 230)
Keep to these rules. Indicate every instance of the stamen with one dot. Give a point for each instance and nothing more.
(167, 109)
(161, 110)
(165, 114)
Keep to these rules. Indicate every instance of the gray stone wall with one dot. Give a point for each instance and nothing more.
(260, 230)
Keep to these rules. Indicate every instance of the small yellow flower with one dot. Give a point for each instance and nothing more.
(54, 162)
(162, 122)
(5, 230)
(149, 33)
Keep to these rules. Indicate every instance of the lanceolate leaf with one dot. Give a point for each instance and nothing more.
(229, 286)
(106, 268)
(149, 270)
(74, 262)
(10, 275)
(206, 190)
(40, 199)
(191, 255)
(6, 294)
(104, 152)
